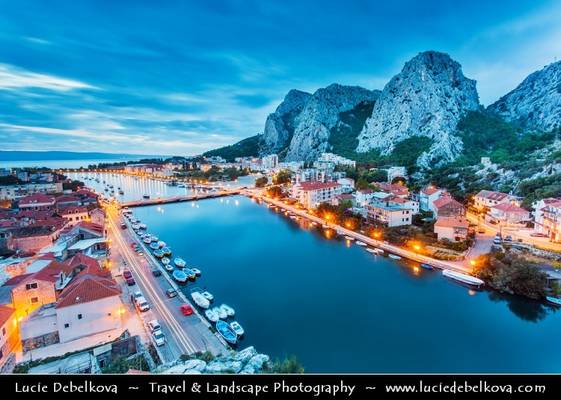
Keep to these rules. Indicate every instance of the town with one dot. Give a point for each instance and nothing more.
(81, 293)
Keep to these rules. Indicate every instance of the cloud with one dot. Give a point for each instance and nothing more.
(13, 78)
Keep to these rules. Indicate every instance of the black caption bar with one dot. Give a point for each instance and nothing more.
(282, 386)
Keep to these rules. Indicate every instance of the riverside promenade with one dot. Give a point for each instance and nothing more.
(179, 199)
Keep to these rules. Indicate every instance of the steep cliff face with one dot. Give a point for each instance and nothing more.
(279, 126)
(536, 102)
(319, 115)
(427, 98)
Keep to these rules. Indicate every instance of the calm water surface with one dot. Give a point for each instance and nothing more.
(340, 309)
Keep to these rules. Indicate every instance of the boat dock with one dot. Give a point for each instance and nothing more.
(179, 199)
(391, 249)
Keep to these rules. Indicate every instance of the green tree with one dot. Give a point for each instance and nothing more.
(261, 182)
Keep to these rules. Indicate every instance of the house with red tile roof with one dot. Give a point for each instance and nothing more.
(447, 206)
(454, 228)
(393, 188)
(9, 336)
(74, 214)
(486, 199)
(427, 196)
(547, 218)
(90, 304)
(508, 214)
(37, 201)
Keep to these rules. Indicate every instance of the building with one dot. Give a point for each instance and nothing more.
(393, 188)
(427, 196)
(9, 336)
(347, 184)
(312, 194)
(37, 202)
(334, 159)
(90, 304)
(446, 206)
(390, 214)
(547, 218)
(270, 162)
(508, 214)
(486, 199)
(74, 214)
(364, 197)
(454, 229)
(310, 175)
(13, 192)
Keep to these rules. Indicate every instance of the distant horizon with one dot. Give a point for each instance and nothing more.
(86, 75)
(89, 154)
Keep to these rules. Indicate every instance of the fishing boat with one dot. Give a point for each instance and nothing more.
(229, 310)
(208, 295)
(200, 300)
(212, 315)
(179, 262)
(190, 274)
(222, 314)
(179, 276)
(158, 253)
(463, 278)
(166, 251)
(236, 327)
(427, 266)
(359, 243)
(196, 271)
(554, 300)
(394, 256)
(226, 331)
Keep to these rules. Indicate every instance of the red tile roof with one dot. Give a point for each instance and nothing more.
(5, 313)
(69, 210)
(451, 222)
(16, 280)
(444, 201)
(510, 208)
(82, 260)
(307, 186)
(429, 190)
(87, 288)
(490, 195)
(393, 188)
(51, 272)
(36, 198)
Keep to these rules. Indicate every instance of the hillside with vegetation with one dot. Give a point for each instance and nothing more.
(245, 148)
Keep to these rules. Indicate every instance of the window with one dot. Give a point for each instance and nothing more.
(67, 325)
(34, 300)
(79, 316)
(31, 286)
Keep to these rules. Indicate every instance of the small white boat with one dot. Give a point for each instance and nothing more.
(161, 244)
(196, 271)
(135, 226)
(179, 262)
(229, 310)
(349, 238)
(200, 300)
(208, 295)
(222, 314)
(394, 256)
(236, 327)
(168, 267)
(554, 300)
(147, 240)
(463, 278)
(154, 238)
(212, 315)
(371, 250)
(359, 243)
(165, 260)
(142, 226)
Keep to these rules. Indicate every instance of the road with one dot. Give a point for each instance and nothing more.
(464, 267)
(184, 334)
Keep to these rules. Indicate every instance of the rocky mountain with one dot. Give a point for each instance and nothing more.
(280, 125)
(536, 102)
(427, 98)
(320, 114)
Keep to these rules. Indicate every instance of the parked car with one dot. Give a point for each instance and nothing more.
(171, 292)
(159, 337)
(186, 309)
(156, 272)
(497, 240)
(141, 304)
(135, 296)
(128, 277)
(154, 325)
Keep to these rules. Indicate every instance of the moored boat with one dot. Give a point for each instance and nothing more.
(212, 315)
(554, 300)
(236, 327)
(229, 310)
(207, 295)
(179, 276)
(154, 246)
(349, 238)
(196, 271)
(463, 278)
(190, 274)
(222, 314)
(166, 251)
(394, 256)
(200, 300)
(179, 262)
(146, 196)
(226, 331)
(158, 253)
(359, 243)
(165, 260)
(427, 266)
(147, 240)
(161, 244)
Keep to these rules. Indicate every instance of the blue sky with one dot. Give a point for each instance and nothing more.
(182, 77)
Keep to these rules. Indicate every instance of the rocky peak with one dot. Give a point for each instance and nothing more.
(279, 126)
(319, 115)
(427, 98)
(536, 102)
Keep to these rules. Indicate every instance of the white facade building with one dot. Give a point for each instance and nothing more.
(312, 194)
